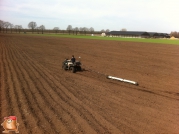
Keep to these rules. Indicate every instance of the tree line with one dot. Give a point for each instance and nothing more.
(7, 26)
(175, 34)
(33, 25)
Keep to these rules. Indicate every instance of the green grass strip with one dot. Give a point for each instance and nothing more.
(161, 41)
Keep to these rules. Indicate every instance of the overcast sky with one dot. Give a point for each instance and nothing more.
(134, 15)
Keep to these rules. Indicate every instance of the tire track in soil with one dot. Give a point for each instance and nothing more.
(26, 77)
(89, 113)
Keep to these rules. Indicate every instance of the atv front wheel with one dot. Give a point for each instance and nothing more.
(64, 67)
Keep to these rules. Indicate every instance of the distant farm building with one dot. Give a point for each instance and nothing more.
(103, 34)
(136, 34)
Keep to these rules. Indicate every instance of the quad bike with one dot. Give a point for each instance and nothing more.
(73, 67)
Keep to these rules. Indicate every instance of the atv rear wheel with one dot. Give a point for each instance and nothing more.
(73, 69)
(79, 68)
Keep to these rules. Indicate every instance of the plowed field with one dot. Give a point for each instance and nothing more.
(47, 99)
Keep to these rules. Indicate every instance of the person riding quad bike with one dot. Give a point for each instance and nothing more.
(72, 65)
(73, 59)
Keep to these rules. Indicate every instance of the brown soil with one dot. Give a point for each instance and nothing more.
(47, 99)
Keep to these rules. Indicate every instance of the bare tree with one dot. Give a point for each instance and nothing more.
(76, 30)
(178, 35)
(80, 30)
(19, 27)
(6, 25)
(11, 26)
(69, 28)
(16, 28)
(37, 29)
(1, 25)
(91, 30)
(73, 30)
(42, 27)
(63, 31)
(123, 29)
(56, 29)
(102, 30)
(107, 30)
(85, 29)
(175, 34)
(32, 25)
(4, 28)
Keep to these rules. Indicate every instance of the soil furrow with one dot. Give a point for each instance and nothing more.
(17, 91)
(25, 76)
(67, 84)
(8, 84)
(4, 76)
(119, 125)
(123, 122)
(65, 100)
(51, 100)
(85, 114)
(23, 101)
(41, 86)
(54, 101)
(3, 103)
